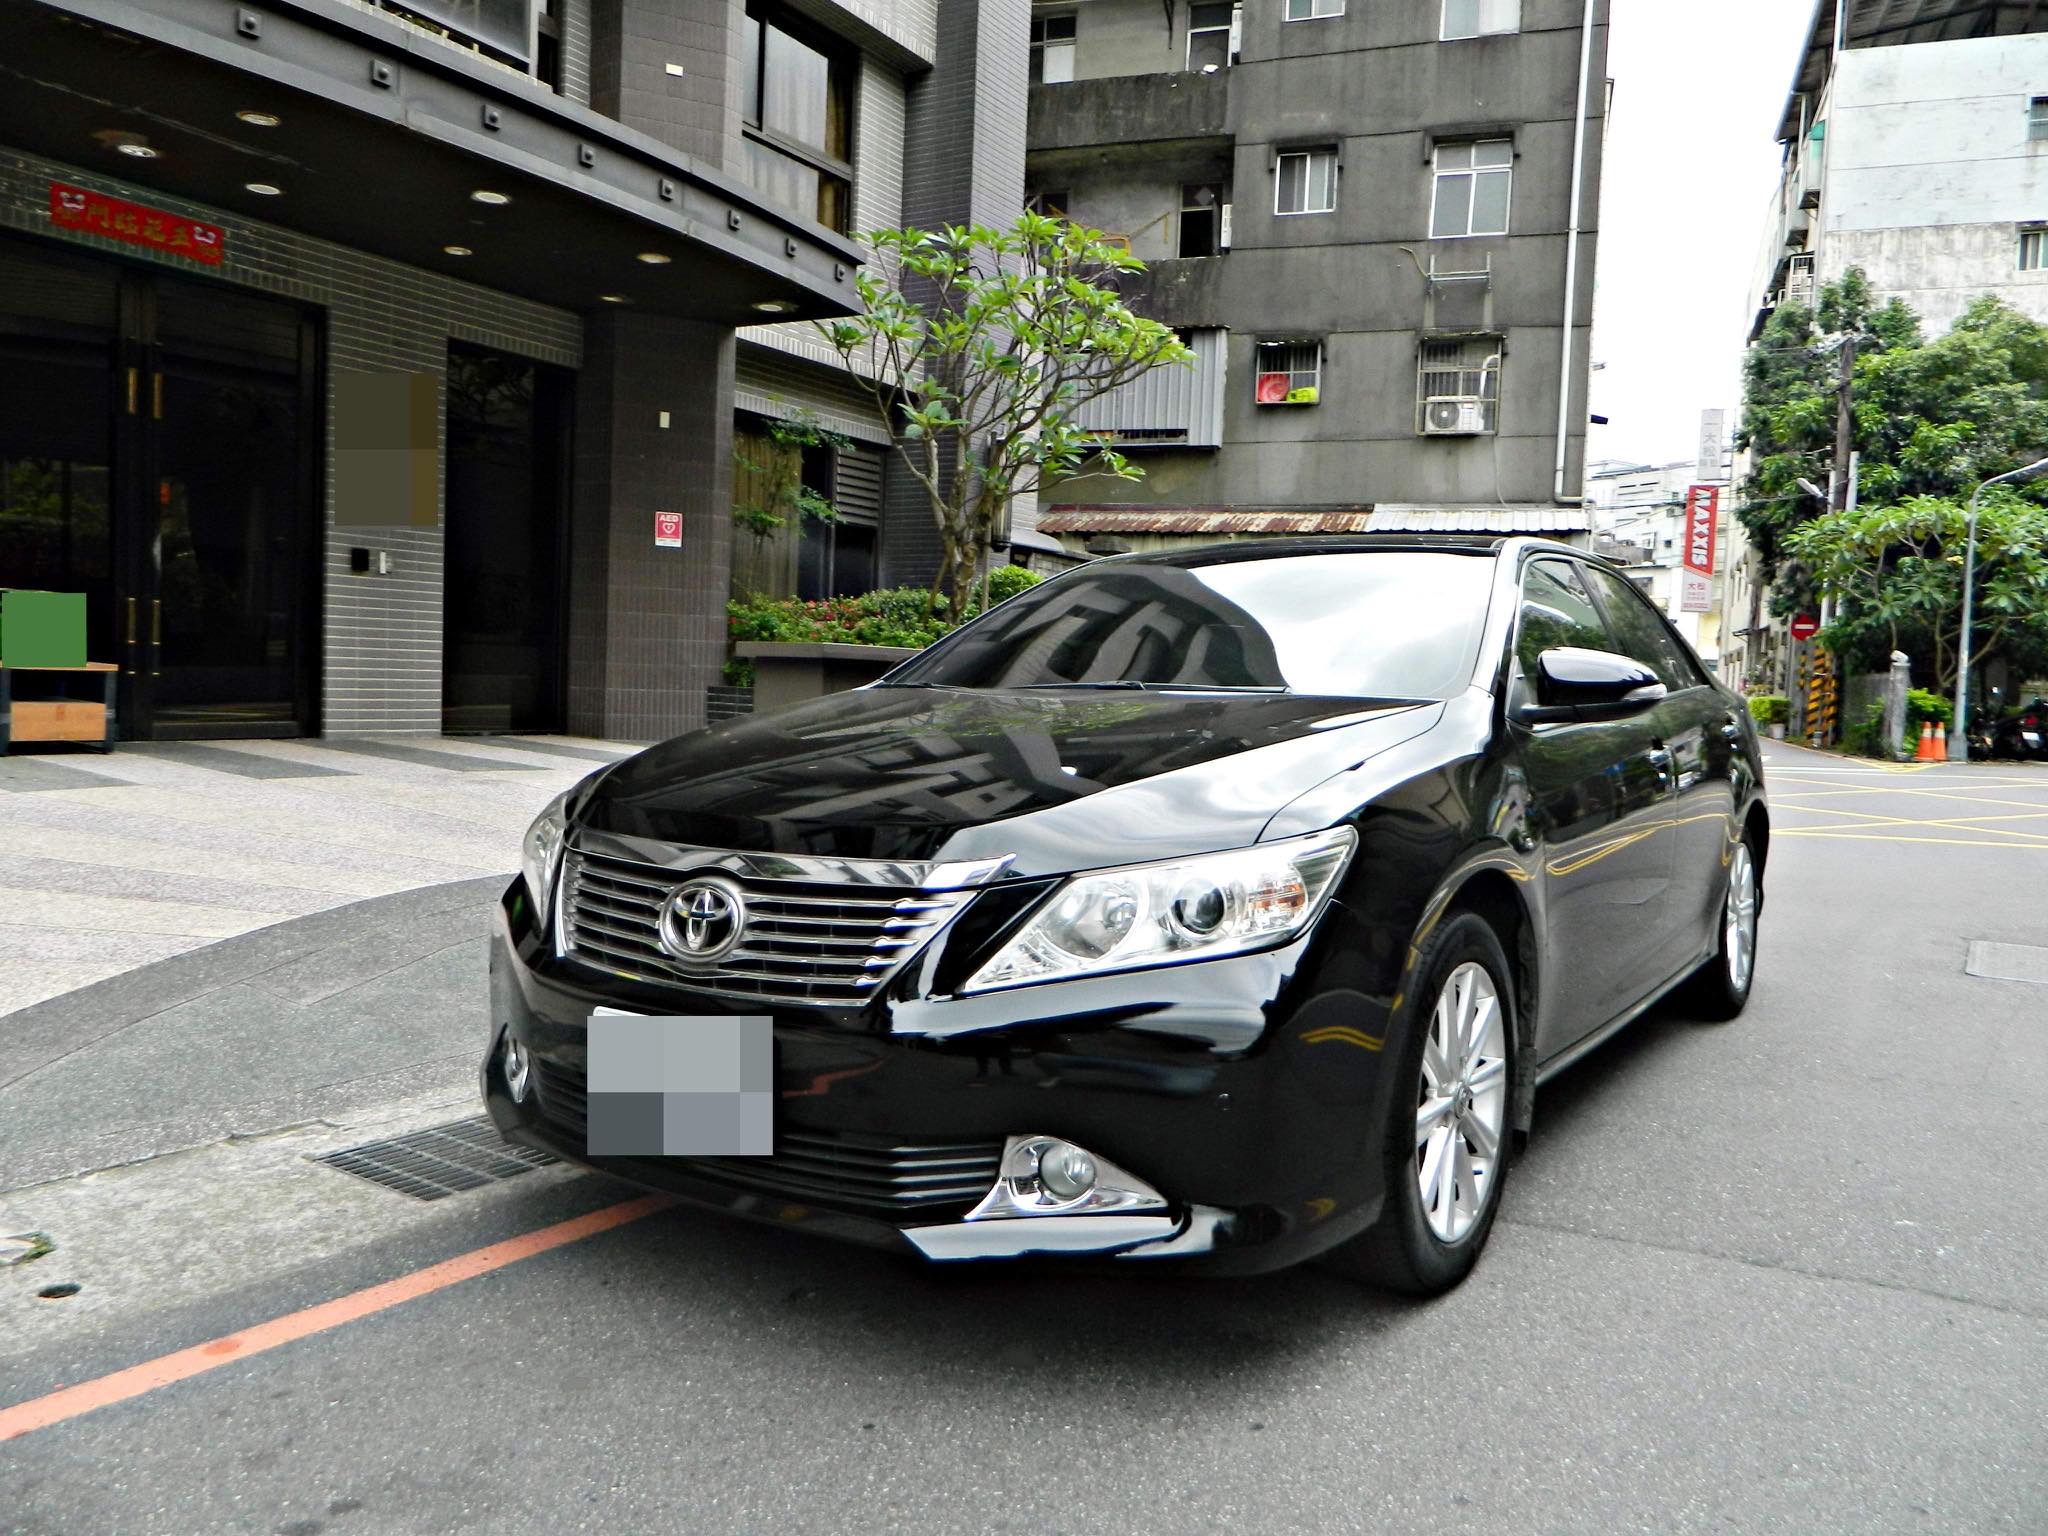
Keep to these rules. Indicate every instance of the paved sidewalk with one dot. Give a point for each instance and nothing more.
(112, 863)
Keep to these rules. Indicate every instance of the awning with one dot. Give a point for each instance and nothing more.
(1516, 517)
(382, 137)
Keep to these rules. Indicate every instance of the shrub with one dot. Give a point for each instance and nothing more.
(893, 616)
(1770, 708)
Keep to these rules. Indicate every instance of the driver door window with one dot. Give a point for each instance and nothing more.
(1640, 634)
(1557, 610)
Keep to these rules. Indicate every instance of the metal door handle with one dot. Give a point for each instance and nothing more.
(156, 635)
(156, 396)
(131, 637)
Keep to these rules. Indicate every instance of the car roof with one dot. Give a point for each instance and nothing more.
(1495, 545)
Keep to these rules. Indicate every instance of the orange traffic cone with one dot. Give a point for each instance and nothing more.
(1940, 742)
(1924, 753)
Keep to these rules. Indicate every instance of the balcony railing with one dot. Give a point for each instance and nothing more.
(1129, 110)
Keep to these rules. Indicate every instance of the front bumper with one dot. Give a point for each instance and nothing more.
(1240, 1089)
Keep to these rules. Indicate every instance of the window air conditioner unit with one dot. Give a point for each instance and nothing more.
(1453, 416)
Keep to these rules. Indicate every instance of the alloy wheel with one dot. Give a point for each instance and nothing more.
(1462, 1108)
(1738, 918)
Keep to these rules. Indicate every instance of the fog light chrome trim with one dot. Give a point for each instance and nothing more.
(1021, 1193)
(518, 1069)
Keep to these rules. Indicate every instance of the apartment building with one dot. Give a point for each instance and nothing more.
(1915, 147)
(377, 368)
(1644, 516)
(1362, 216)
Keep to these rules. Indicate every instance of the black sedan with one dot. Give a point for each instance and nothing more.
(1224, 906)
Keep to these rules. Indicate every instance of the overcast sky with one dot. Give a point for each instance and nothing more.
(1691, 163)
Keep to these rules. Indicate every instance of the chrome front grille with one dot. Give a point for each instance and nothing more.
(801, 942)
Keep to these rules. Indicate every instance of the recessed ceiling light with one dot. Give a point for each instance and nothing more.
(484, 195)
(139, 151)
(774, 306)
(259, 119)
(262, 189)
(456, 250)
(613, 298)
(654, 258)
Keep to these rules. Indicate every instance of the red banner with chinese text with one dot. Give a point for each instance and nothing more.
(94, 212)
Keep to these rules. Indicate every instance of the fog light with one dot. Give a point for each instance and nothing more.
(1066, 1171)
(518, 1070)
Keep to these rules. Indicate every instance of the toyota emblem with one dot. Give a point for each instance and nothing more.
(701, 921)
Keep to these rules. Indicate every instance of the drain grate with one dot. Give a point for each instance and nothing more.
(440, 1161)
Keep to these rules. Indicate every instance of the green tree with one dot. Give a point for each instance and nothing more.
(1930, 418)
(1897, 570)
(980, 345)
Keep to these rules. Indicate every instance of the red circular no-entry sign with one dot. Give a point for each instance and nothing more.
(1805, 626)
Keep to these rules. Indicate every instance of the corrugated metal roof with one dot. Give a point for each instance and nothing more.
(1207, 520)
(1518, 517)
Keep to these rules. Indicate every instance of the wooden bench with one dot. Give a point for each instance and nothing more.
(86, 720)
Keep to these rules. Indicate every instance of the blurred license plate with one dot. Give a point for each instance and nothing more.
(681, 1085)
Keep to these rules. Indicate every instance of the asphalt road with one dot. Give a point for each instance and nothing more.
(1786, 1274)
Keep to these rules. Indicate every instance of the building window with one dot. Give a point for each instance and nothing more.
(1052, 49)
(1480, 18)
(2037, 118)
(797, 105)
(2034, 250)
(1472, 184)
(1288, 373)
(1306, 182)
(1457, 387)
(1212, 36)
(1049, 202)
(1202, 212)
(1313, 10)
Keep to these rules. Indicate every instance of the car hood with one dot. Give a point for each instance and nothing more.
(1058, 781)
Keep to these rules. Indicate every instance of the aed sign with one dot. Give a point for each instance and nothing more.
(668, 530)
(1702, 511)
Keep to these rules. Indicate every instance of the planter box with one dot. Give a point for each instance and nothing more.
(788, 672)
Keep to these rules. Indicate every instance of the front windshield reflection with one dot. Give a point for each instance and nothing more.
(1353, 624)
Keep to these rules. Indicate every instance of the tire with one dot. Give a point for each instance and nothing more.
(1719, 990)
(1419, 1247)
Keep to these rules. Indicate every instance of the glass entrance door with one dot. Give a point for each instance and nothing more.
(157, 454)
(57, 397)
(227, 498)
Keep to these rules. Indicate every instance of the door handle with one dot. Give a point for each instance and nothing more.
(156, 397)
(156, 636)
(131, 637)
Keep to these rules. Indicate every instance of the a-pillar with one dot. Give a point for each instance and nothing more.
(653, 434)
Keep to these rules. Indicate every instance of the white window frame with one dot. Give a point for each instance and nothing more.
(1230, 29)
(1490, 18)
(1313, 10)
(2037, 118)
(1303, 373)
(1308, 159)
(1470, 172)
(2033, 256)
(1044, 48)
(1462, 367)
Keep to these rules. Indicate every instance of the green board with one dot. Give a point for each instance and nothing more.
(42, 629)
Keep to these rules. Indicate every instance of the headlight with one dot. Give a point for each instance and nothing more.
(1186, 909)
(541, 853)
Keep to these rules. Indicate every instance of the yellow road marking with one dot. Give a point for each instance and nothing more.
(1884, 837)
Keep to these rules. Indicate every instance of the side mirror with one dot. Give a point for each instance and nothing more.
(1575, 684)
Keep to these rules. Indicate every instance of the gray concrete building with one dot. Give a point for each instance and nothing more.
(1375, 221)
(377, 368)
(1915, 147)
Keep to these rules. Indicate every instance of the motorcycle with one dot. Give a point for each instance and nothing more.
(2022, 734)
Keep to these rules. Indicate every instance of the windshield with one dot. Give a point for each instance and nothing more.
(1356, 624)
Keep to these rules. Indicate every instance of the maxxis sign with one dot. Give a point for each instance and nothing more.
(1702, 512)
